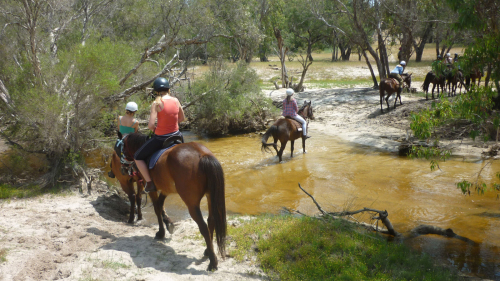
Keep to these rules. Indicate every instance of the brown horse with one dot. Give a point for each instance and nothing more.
(127, 183)
(389, 86)
(453, 81)
(473, 75)
(285, 129)
(438, 81)
(192, 171)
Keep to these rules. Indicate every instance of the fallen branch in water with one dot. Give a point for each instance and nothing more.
(383, 217)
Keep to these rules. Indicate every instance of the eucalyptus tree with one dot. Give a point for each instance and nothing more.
(306, 33)
(357, 20)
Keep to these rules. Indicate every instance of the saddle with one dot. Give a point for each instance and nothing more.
(298, 126)
(167, 144)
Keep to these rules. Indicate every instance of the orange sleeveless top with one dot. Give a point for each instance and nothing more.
(168, 118)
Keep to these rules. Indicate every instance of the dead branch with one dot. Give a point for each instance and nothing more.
(130, 91)
(196, 100)
(382, 216)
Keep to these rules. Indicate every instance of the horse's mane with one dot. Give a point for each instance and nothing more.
(135, 141)
(303, 107)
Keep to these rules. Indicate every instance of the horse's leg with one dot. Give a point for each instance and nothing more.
(138, 199)
(292, 142)
(195, 213)
(304, 144)
(282, 148)
(381, 99)
(128, 187)
(433, 87)
(158, 203)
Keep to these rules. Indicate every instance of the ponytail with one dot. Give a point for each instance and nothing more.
(288, 98)
(159, 96)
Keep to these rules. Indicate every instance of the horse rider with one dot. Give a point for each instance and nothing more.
(438, 66)
(166, 114)
(455, 59)
(448, 59)
(291, 109)
(127, 124)
(396, 74)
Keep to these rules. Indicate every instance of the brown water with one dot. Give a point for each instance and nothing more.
(344, 176)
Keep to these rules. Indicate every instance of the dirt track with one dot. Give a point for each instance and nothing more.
(78, 237)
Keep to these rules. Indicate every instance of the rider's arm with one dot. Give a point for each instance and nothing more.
(152, 117)
(135, 125)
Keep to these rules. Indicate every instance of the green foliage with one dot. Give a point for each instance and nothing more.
(474, 106)
(432, 153)
(8, 191)
(290, 248)
(233, 102)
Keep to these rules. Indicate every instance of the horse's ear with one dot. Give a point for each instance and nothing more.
(120, 136)
(310, 102)
(305, 102)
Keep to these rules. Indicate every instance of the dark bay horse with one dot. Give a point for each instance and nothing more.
(285, 129)
(438, 81)
(454, 80)
(193, 172)
(127, 184)
(389, 86)
(473, 75)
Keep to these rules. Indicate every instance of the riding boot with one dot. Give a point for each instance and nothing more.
(111, 174)
(150, 186)
(306, 137)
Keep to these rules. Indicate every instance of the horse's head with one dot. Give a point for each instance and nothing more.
(306, 110)
(407, 79)
(132, 143)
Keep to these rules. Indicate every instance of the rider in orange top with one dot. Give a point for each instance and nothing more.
(168, 112)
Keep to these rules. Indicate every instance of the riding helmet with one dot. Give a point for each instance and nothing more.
(402, 62)
(131, 106)
(161, 84)
(439, 57)
(289, 92)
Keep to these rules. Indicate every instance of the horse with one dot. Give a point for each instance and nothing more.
(473, 75)
(285, 130)
(127, 183)
(390, 86)
(436, 81)
(192, 171)
(452, 82)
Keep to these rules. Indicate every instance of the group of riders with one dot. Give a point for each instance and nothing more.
(165, 116)
(446, 67)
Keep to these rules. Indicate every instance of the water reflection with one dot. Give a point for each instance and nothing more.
(342, 176)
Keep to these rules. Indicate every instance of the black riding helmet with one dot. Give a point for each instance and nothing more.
(161, 84)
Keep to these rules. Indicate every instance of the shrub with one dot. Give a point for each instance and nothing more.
(233, 103)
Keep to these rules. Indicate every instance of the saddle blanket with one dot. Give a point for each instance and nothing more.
(155, 156)
(298, 126)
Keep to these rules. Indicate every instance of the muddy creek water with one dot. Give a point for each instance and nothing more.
(344, 176)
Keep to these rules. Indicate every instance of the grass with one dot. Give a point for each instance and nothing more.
(3, 255)
(291, 248)
(7, 191)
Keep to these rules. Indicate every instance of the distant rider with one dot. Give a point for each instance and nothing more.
(126, 124)
(167, 110)
(291, 109)
(397, 72)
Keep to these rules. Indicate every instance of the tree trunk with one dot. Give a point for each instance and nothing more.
(282, 55)
(419, 48)
(488, 75)
(375, 83)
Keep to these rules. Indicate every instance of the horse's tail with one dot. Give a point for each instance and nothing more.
(427, 81)
(271, 131)
(212, 169)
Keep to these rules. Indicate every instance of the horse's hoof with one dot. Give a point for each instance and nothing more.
(159, 235)
(139, 218)
(130, 221)
(211, 267)
(170, 228)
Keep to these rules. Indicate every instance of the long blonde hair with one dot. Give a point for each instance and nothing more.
(158, 98)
